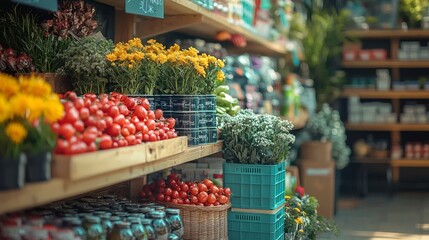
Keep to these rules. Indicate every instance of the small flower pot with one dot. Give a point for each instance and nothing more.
(12, 172)
(185, 102)
(38, 167)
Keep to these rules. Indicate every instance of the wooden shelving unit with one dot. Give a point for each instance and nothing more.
(374, 94)
(188, 17)
(409, 162)
(386, 34)
(387, 64)
(387, 127)
(37, 194)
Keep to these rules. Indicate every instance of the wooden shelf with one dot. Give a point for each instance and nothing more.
(188, 17)
(392, 94)
(37, 194)
(409, 163)
(386, 127)
(387, 64)
(370, 160)
(386, 34)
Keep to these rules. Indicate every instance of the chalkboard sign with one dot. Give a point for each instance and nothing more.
(151, 8)
(50, 5)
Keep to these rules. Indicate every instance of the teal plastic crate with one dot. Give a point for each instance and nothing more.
(255, 186)
(249, 226)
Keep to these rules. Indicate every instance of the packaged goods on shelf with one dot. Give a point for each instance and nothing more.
(371, 112)
(413, 113)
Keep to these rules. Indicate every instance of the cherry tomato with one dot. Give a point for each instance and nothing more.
(183, 195)
(78, 103)
(113, 111)
(214, 189)
(134, 120)
(131, 139)
(179, 201)
(187, 201)
(139, 136)
(131, 128)
(115, 130)
(167, 198)
(208, 183)
(119, 119)
(184, 187)
(222, 199)
(160, 197)
(159, 114)
(89, 137)
(106, 142)
(61, 146)
(227, 191)
(101, 125)
(203, 197)
(145, 103)
(87, 102)
(194, 199)
(67, 131)
(151, 115)
(124, 110)
(72, 115)
(99, 113)
(125, 132)
(171, 122)
(130, 103)
(211, 198)
(55, 127)
(152, 138)
(140, 112)
(160, 183)
(202, 187)
(194, 191)
(140, 127)
(168, 191)
(175, 194)
(146, 137)
(108, 120)
(92, 147)
(150, 124)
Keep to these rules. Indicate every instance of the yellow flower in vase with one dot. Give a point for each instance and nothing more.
(220, 63)
(35, 86)
(135, 42)
(4, 109)
(220, 76)
(16, 132)
(111, 57)
(174, 48)
(9, 86)
(161, 58)
(53, 110)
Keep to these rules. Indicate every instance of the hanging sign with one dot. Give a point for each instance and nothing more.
(151, 8)
(50, 5)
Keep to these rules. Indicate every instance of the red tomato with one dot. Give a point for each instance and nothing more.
(115, 130)
(71, 95)
(151, 115)
(108, 120)
(203, 197)
(194, 199)
(216, 203)
(61, 146)
(207, 204)
(160, 197)
(99, 113)
(145, 103)
(187, 201)
(140, 112)
(222, 199)
(125, 132)
(168, 191)
(202, 187)
(130, 103)
(138, 141)
(179, 201)
(153, 138)
(92, 129)
(142, 195)
(124, 110)
(167, 198)
(184, 187)
(115, 145)
(214, 189)
(139, 136)
(160, 183)
(175, 201)
(113, 111)
(87, 102)
(194, 191)
(131, 128)
(106, 142)
(83, 113)
(171, 122)
(89, 137)
(78, 103)
(101, 125)
(173, 176)
(170, 135)
(140, 127)
(55, 127)
(76, 148)
(119, 119)
(220, 190)
(92, 147)
(72, 115)
(227, 191)
(150, 124)
(211, 198)
(175, 194)
(183, 195)
(159, 114)
(134, 120)
(146, 137)
(67, 131)
(208, 183)
(131, 139)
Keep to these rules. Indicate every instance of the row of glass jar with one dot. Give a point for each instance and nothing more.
(95, 219)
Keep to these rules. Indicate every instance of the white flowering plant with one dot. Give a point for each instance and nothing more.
(251, 138)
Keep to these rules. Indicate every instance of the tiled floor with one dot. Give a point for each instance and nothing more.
(377, 217)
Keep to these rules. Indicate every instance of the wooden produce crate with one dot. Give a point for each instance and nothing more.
(86, 165)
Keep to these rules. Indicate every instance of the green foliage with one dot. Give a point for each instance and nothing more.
(414, 10)
(85, 63)
(255, 139)
(302, 221)
(40, 138)
(326, 125)
(22, 32)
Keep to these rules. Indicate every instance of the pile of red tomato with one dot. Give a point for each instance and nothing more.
(173, 190)
(107, 121)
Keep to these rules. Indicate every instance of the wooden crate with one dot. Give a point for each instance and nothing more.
(91, 164)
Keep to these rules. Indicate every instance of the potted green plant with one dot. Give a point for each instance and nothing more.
(413, 11)
(256, 148)
(86, 65)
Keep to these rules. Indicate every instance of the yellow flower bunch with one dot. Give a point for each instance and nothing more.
(16, 132)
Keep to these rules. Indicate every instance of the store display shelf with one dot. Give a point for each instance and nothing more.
(186, 16)
(391, 94)
(409, 163)
(387, 64)
(384, 34)
(386, 127)
(37, 194)
(370, 160)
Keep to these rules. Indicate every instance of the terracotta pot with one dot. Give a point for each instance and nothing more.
(59, 83)
(316, 151)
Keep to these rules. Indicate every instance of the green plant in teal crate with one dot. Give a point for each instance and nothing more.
(251, 138)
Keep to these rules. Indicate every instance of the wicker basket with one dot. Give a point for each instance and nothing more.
(203, 223)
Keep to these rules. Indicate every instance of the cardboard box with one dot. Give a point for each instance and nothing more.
(318, 180)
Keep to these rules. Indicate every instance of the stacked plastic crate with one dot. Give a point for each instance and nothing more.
(257, 200)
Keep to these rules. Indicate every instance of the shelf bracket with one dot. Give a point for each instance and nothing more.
(152, 27)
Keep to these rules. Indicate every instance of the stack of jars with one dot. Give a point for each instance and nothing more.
(98, 218)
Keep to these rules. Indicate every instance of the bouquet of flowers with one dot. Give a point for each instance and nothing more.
(301, 219)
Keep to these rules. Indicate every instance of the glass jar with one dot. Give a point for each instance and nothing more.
(175, 221)
(106, 224)
(138, 230)
(36, 233)
(94, 230)
(76, 226)
(147, 224)
(121, 231)
(146, 211)
(10, 231)
(160, 225)
(173, 237)
(63, 234)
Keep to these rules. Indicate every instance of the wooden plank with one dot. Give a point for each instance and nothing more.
(394, 50)
(392, 94)
(124, 26)
(386, 127)
(165, 148)
(386, 34)
(168, 24)
(410, 163)
(369, 160)
(37, 194)
(89, 164)
(386, 64)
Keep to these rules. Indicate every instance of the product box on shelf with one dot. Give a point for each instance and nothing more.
(255, 186)
(256, 224)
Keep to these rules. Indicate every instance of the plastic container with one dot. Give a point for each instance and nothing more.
(185, 102)
(255, 186)
(207, 102)
(203, 136)
(210, 117)
(248, 225)
(212, 135)
(186, 119)
(163, 102)
(193, 135)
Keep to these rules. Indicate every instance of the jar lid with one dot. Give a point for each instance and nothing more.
(134, 220)
(172, 211)
(157, 214)
(92, 219)
(122, 224)
(146, 221)
(146, 209)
